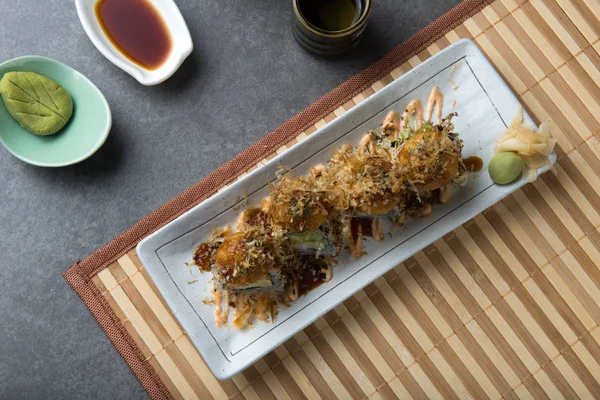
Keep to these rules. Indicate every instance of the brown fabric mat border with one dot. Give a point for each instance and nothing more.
(80, 273)
(116, 332)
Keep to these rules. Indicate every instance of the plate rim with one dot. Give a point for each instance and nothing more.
(469, 48)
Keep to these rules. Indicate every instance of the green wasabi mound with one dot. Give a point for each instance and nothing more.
(37, 103)
(504, 168)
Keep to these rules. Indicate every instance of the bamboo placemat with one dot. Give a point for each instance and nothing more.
(507, 305)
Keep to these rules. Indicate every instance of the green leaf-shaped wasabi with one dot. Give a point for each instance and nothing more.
(39, 104)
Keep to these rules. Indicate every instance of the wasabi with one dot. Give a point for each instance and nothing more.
(505, 167)
(37, 103)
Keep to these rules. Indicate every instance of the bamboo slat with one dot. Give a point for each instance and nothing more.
(506, 306)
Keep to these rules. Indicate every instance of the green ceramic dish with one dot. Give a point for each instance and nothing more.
(85, 133)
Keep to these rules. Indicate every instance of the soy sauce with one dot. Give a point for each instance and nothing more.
(473, 163)
(330, 15)
(310, 277)
(136, 28)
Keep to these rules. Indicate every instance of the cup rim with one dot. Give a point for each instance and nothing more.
(332, 34)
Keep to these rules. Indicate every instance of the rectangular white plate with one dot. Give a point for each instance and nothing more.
(485, 105)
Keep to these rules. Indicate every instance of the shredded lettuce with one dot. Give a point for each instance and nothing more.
(405, 134)
(426, 127)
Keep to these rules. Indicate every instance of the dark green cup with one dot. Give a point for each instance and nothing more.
(324, 42)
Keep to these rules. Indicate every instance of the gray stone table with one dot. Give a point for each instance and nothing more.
(245, 77)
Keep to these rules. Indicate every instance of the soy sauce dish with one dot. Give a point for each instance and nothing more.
(148, 39)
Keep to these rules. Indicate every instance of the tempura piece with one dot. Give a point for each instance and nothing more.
(295, 207)
(245, 262)
(432, 158)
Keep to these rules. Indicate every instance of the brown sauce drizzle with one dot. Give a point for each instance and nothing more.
(366, 226)
(202, 257)
(473, 163)
(309, 279)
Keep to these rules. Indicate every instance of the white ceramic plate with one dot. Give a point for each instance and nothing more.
(485, 105)
(182, 41)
